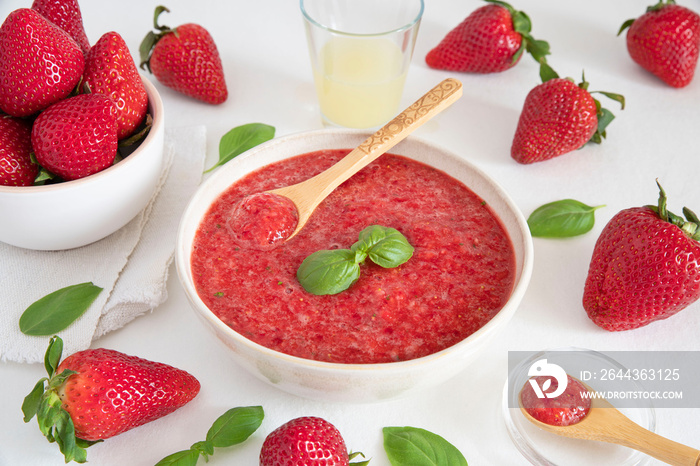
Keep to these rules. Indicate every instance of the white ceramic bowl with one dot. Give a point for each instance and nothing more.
(353, 382)
(79, 212)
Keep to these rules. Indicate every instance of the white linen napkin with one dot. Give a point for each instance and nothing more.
(131, 265)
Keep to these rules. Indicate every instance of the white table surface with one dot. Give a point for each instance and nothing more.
(263, 48)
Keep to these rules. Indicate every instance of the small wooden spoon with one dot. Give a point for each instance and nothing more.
(605, 423)
(308, 194)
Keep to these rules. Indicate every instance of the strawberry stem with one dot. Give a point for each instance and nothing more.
(690, 224)
(152, 38)
(45, 403)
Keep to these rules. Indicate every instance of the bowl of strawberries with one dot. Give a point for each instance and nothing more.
(81, 136)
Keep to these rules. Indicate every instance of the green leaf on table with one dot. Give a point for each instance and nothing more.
(231, 428)
(412, 446)
(56, 311)
(235, 426)
(240, 139)
(562, 219)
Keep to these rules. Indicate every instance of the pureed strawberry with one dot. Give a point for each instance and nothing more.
(461, 273)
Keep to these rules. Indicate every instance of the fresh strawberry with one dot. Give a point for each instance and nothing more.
(110, 70)
(39, 63)
(96, 394)
(16, 166)
(645, 267)
(491, 39)
(185, 59)
(66, 15)
(665, 41)
(305, 441)
(76, 137)
(559, 116)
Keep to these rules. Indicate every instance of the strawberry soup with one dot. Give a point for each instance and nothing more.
(570, 407)
(461, 274)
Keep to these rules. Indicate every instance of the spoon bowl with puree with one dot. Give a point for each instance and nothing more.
(265, 220)
(602, 422)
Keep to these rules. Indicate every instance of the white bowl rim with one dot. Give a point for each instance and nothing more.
(182, 266)
(155, 105)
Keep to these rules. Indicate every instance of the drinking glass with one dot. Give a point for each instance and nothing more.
(360, 53)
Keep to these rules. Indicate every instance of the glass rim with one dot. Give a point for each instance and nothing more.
(409, 25)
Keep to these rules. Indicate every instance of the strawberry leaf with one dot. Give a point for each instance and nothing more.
(45, 403)
(418, 447)
(52, 358)
(56, 311)
(30, 405)
(240, 139)
(562, 219)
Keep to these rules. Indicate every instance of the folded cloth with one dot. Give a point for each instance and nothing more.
(131, 265)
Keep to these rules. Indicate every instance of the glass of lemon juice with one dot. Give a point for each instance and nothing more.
(360, 53)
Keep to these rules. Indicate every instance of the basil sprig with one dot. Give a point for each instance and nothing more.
(231, 428)
(562, 219)
(332, 271)
(413, 446)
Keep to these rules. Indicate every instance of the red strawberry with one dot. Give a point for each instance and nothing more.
(39, 63)
(76, 137)
(305, 441)
(645, 267)
(665, 41)
(185, 59)
(559, 117)
(110, 70)
(16, 166)
(66, 15)
(96, 394)
(491, 39)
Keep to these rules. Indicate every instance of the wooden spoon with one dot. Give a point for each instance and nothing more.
(308, 194)
(605, 423)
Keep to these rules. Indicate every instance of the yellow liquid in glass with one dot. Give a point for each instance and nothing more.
(359, 81)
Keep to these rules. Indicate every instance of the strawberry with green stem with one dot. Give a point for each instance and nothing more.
(493, 38)
(560, 116)
(185, 59)
(306, 441)
(645, 267)
(96, 394)
(665, 41)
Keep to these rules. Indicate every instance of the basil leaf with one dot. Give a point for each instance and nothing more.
(56, 311)
(240, 139)
(385, 246)
(328, 271)
(231, 428)
(562, 219)
(235, 426)
(412, 446)
(181, 458)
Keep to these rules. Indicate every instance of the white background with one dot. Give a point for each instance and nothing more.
(263, 48)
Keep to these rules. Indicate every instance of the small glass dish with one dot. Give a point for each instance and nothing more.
(546, 449)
